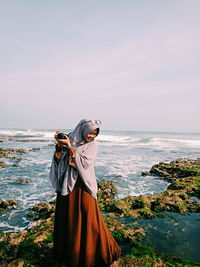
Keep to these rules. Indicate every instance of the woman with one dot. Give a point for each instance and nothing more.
(81, 238)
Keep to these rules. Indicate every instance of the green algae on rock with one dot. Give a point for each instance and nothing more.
(179, 168)
(22, 181)
(106, 194)
(2, 164)
(42, 210)
(143, 255)
(177, 198)
(184, 175)
(150, 206)
(4, 152)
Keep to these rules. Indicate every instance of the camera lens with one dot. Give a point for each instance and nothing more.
(61, 136)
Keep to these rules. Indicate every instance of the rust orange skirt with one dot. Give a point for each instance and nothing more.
(81, 238)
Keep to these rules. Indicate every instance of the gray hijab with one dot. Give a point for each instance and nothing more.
(84, 127)
(62, 176)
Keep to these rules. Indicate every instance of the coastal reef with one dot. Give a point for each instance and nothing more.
(8, 204)
(34, 246)
(7, 153)
(184, 175)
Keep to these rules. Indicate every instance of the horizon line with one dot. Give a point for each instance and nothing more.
(109, 130)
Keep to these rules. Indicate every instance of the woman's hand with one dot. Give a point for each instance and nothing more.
(65, 142)
(71, 161)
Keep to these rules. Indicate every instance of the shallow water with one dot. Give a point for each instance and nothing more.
(121, 158)
(175, 234)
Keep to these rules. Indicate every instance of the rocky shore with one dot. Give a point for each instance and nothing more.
(10, 154)
(33, 247)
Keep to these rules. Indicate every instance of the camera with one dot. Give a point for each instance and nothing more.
(59, 147)
(61, 136)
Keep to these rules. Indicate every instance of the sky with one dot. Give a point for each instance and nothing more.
(133, 64)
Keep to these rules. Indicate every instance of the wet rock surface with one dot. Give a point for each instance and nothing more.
(24, 140)
(6, 153)
(184, 175)
(42, 210)
(107, 192)
(35, 149)
(179, 168)
(22, 181)
(2, 164)
(8, 204)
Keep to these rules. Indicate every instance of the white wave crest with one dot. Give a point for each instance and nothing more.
(169, 142)
(28, 133)
(117, 139)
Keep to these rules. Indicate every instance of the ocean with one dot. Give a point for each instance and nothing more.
(122, 156)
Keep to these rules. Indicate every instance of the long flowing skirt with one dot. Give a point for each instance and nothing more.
(81, 238)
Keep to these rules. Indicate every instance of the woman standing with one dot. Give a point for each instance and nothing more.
(81, 238)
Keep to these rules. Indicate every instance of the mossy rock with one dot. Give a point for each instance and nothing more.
(42, 210)
(22, 181)
(143, 255)
(106, 195)
(146, 213)
(2, 165)
(4, 152)
(177, 169)
(33, 246)
(8, 204)
(191, 185)
(122, 233)
(146, 207)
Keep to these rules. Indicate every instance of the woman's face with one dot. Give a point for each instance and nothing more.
(91, 135)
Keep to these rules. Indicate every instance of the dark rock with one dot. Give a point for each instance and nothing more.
(4, 152)
(23, 140)
(106, 190)
(53, 201)
(35, 149)
(119, 176)
(42, 206)
(106, 194)
(138, 203)
(179, 168)
(15, 165)
(8, 204)
(15, 158)
(2, 164)
(42, 210)
(145, 173)
(22, 181)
